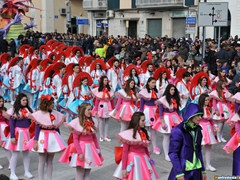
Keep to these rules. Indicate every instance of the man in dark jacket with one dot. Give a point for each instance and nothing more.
(222, 54)
(233, 86)
(12, 46)
(210, 58)
(183, 52)
(3, 45)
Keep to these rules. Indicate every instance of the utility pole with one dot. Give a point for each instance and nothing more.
(68, 14)
(204, 43)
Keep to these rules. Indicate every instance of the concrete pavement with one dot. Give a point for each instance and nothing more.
(220, 160)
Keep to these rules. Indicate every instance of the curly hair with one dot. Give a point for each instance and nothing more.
(45, 104)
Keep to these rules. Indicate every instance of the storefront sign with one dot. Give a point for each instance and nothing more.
(82, 21)
(178, 14)
(142, 31)
(190, 30)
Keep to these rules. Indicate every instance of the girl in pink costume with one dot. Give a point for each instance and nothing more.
(19, 134)
(207, 124)
(148, 96)
(84, 153)
(125, 107)
(3, 124)
(103, 106)
(222, 76)
(233, 145)
(221, 107)
(136, 163)
(47, 140)
(169, 115)
(205, 70)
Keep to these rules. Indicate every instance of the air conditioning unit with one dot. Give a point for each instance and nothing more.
(63, 11)
(110, 14)
(101, 4)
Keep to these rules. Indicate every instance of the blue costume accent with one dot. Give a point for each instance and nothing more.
(197, 92)
(6, 91)
(79, 99)
(185, 108)
(19, 89)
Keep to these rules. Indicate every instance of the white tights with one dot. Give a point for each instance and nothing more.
(8, 154)
(166, 142)
(103, 122)
(82, 174)
(48, 159)
(153, 136)
(208, 154)
(124, 125)
(14, 159)
(220, 126)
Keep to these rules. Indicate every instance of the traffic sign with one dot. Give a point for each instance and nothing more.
(82, 22)
(190, 20)
(213, 14)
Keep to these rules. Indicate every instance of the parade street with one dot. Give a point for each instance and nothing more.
(220, 160)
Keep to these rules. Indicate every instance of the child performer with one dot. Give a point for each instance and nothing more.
(220, 107)
(169, 115)
(233, 145)
(19, 134)
(84, 153)
(47, 139)
(125, 107)
(81, 90)
(207, 125)
(136, 163)
(148, 96)
(3, 124)
(103, 105)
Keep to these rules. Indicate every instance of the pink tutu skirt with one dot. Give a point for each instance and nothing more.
(91, 157)
(22, 139)
(224, 110)
(138, 168)
(150, 115)
(49, 141)
(2, 128)
(171, 120)
(232, 144)
(103, 109)
(125, 112)
(209, 136)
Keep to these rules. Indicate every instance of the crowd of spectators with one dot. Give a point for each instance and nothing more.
(164, 49)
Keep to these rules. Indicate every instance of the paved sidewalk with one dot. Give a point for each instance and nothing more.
(220, 160)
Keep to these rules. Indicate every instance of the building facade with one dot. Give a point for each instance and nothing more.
(53, 16)
(137, 17)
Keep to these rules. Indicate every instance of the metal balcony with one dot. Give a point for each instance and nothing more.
(95, 4)
(158, 3)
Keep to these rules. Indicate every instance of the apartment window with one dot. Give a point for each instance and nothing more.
(113, 4)
(133, 3)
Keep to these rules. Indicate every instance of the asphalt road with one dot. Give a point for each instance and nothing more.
(220, 160)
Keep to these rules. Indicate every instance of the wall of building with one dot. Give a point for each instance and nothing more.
(117, 25)
(50, 20)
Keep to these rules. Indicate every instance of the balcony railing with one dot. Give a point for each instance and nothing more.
(158, 3)
(95, 4)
